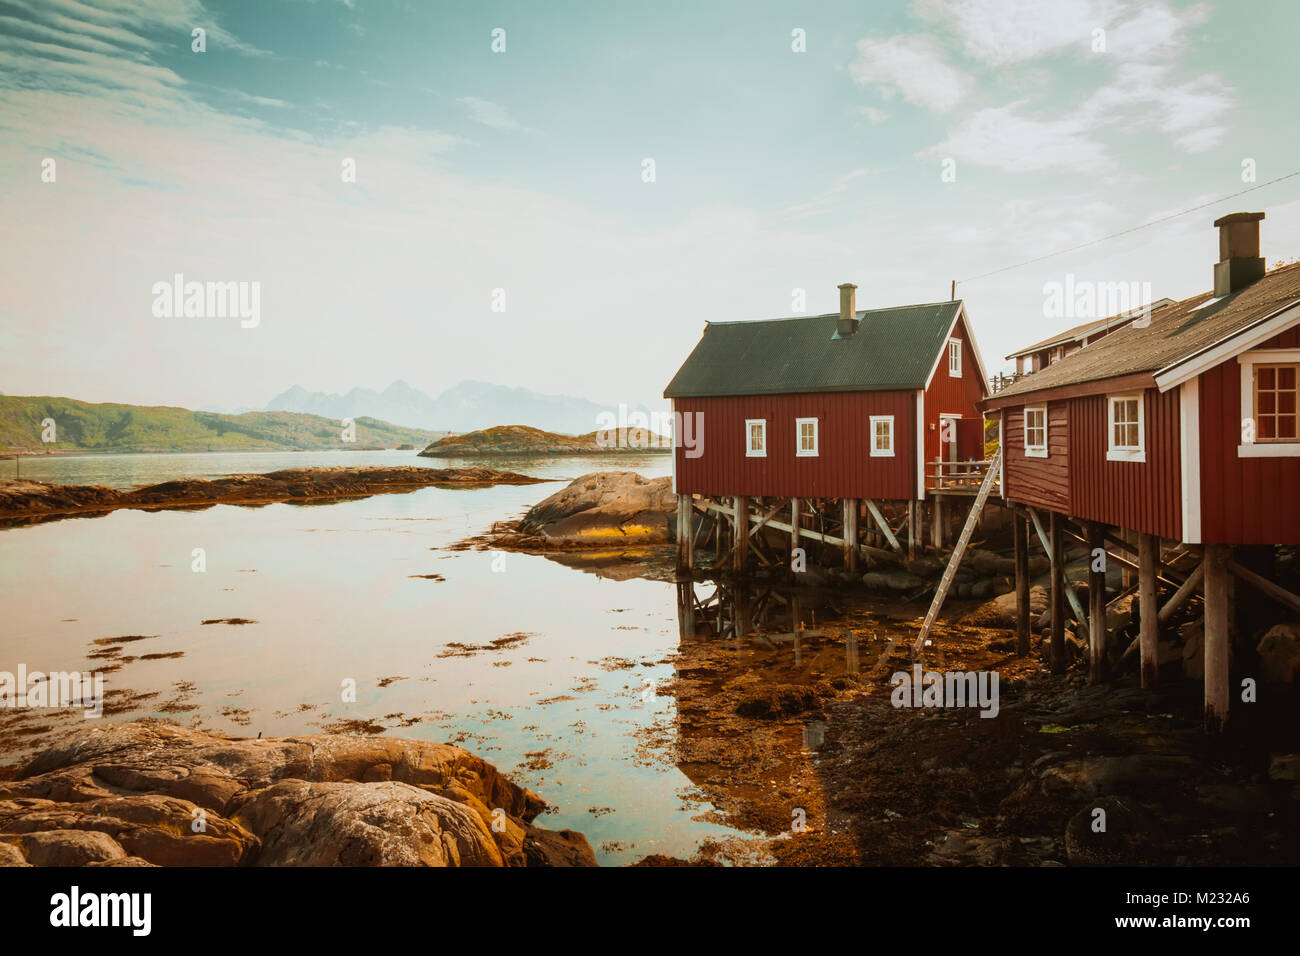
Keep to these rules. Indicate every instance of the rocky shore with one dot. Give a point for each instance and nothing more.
(525, 441)
(152, 793)
(21, 499)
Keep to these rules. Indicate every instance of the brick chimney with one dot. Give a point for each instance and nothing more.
(1239, 261)
(848, 321)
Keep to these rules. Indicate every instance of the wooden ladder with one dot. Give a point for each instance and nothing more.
(986, 486)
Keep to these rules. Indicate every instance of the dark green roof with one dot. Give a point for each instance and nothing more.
(892, 348)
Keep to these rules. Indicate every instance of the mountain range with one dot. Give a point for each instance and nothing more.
(469, 406)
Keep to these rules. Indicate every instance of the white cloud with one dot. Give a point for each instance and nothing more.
(491, 114)
(915, 67)
(876, 116)
(1003, 32)
(1006, 138)
(1145, 96)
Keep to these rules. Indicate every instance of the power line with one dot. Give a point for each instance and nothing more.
(1125, 232)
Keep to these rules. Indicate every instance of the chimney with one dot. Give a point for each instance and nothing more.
(1239, 261)
(848, 321)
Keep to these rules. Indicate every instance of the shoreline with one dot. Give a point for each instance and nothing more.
(23, 500)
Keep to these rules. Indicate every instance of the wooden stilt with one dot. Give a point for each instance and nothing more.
(1217, 616)
(851, 534)
(794, 528)
(1057, 538)
(1020, 528)
(740, 553)
(913, 507)
(1149, 634)
(1097, 630)
(685, 533)
(936, 523)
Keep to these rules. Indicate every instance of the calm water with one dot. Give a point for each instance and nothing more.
(330, 587)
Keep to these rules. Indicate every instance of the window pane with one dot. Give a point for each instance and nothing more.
(1265, 427)
(1286, 403)
(1267, 403)
(1266, 377)
(1286, 426)
(1286, 376)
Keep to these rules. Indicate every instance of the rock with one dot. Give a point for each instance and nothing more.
(1092, 776)
(892, 581)
(924, 567)
(1284, 767)
(1193, 635)
(778, 700)
(69, 847)
(812, 578)
(605, 509)
(315, 799)
(1279, 654)
(988, 564)
(10, 855)
(557, 848)
(1131, 836)
(1001, 611)
(965, 848)
(364, 824)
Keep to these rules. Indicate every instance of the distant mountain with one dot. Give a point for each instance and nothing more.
(469, 406)
(110, 427)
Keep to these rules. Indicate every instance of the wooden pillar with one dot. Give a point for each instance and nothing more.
(936, 523)
(1097, 630)
(740, 555)
(1216, 636)
(913, 507)
(1149, 635)
(1057, 536)
(795, 518)
(1020, 527)
(685, 533)
(851, 534)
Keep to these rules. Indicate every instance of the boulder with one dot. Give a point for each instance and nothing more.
(170, 795)
(892, 581)
(1001, 611)
(1113, 831)
(1093, 776)
(604, 509)
(778, 700)
(1284, 767)
(1279, 654)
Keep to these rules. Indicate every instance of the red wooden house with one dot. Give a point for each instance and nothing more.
(1182, 427)
(848, 405)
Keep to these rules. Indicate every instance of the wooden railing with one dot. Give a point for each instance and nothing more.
(960, 476)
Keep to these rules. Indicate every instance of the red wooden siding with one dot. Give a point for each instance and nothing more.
(1142, 496)
(959, 396)
(843, 468)
(1040, 482)
(1243, 500)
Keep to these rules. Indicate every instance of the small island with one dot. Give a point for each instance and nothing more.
(525, 441)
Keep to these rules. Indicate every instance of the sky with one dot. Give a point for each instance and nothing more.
(559, 195)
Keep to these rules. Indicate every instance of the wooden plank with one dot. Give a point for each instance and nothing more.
(874, 510)
(850, 506)
(740, 553)
(1149, 633)
(1058, 526)
(957, 552)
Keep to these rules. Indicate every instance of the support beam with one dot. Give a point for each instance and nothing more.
(1217, 615)
(1267, 587)
(878, 516)
(685, 533)
(1182, 594)
(913, 507)
(1021, 531)
(1056, 549)
(1097, 630)
(1149, 633)
(740, 553)
(794, 528)
(936, 523)
(1058, 523)
(850, 506)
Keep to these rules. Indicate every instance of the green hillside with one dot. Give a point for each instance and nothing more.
(109, 427)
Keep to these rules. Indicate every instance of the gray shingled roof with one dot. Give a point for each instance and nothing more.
(1176, 332)
(892, 348)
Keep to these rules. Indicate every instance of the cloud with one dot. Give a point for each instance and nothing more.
(875, 116)
(491, 114)
(1008, 139)
(1145, 96)
(913, 66)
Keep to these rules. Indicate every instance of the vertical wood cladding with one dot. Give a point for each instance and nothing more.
(1140, 495)
(958, 396)
(1243, 500)
(1041, 482)
(843, 468)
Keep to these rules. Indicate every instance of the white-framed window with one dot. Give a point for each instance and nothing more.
(756, 438)
(954, 358)
(805, 437)
(1036, 431)
(882, 436)
(1125, 429)
(1270, 396)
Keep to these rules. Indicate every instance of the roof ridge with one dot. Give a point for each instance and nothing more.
(835, 315)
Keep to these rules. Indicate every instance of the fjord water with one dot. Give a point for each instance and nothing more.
(569, 710)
